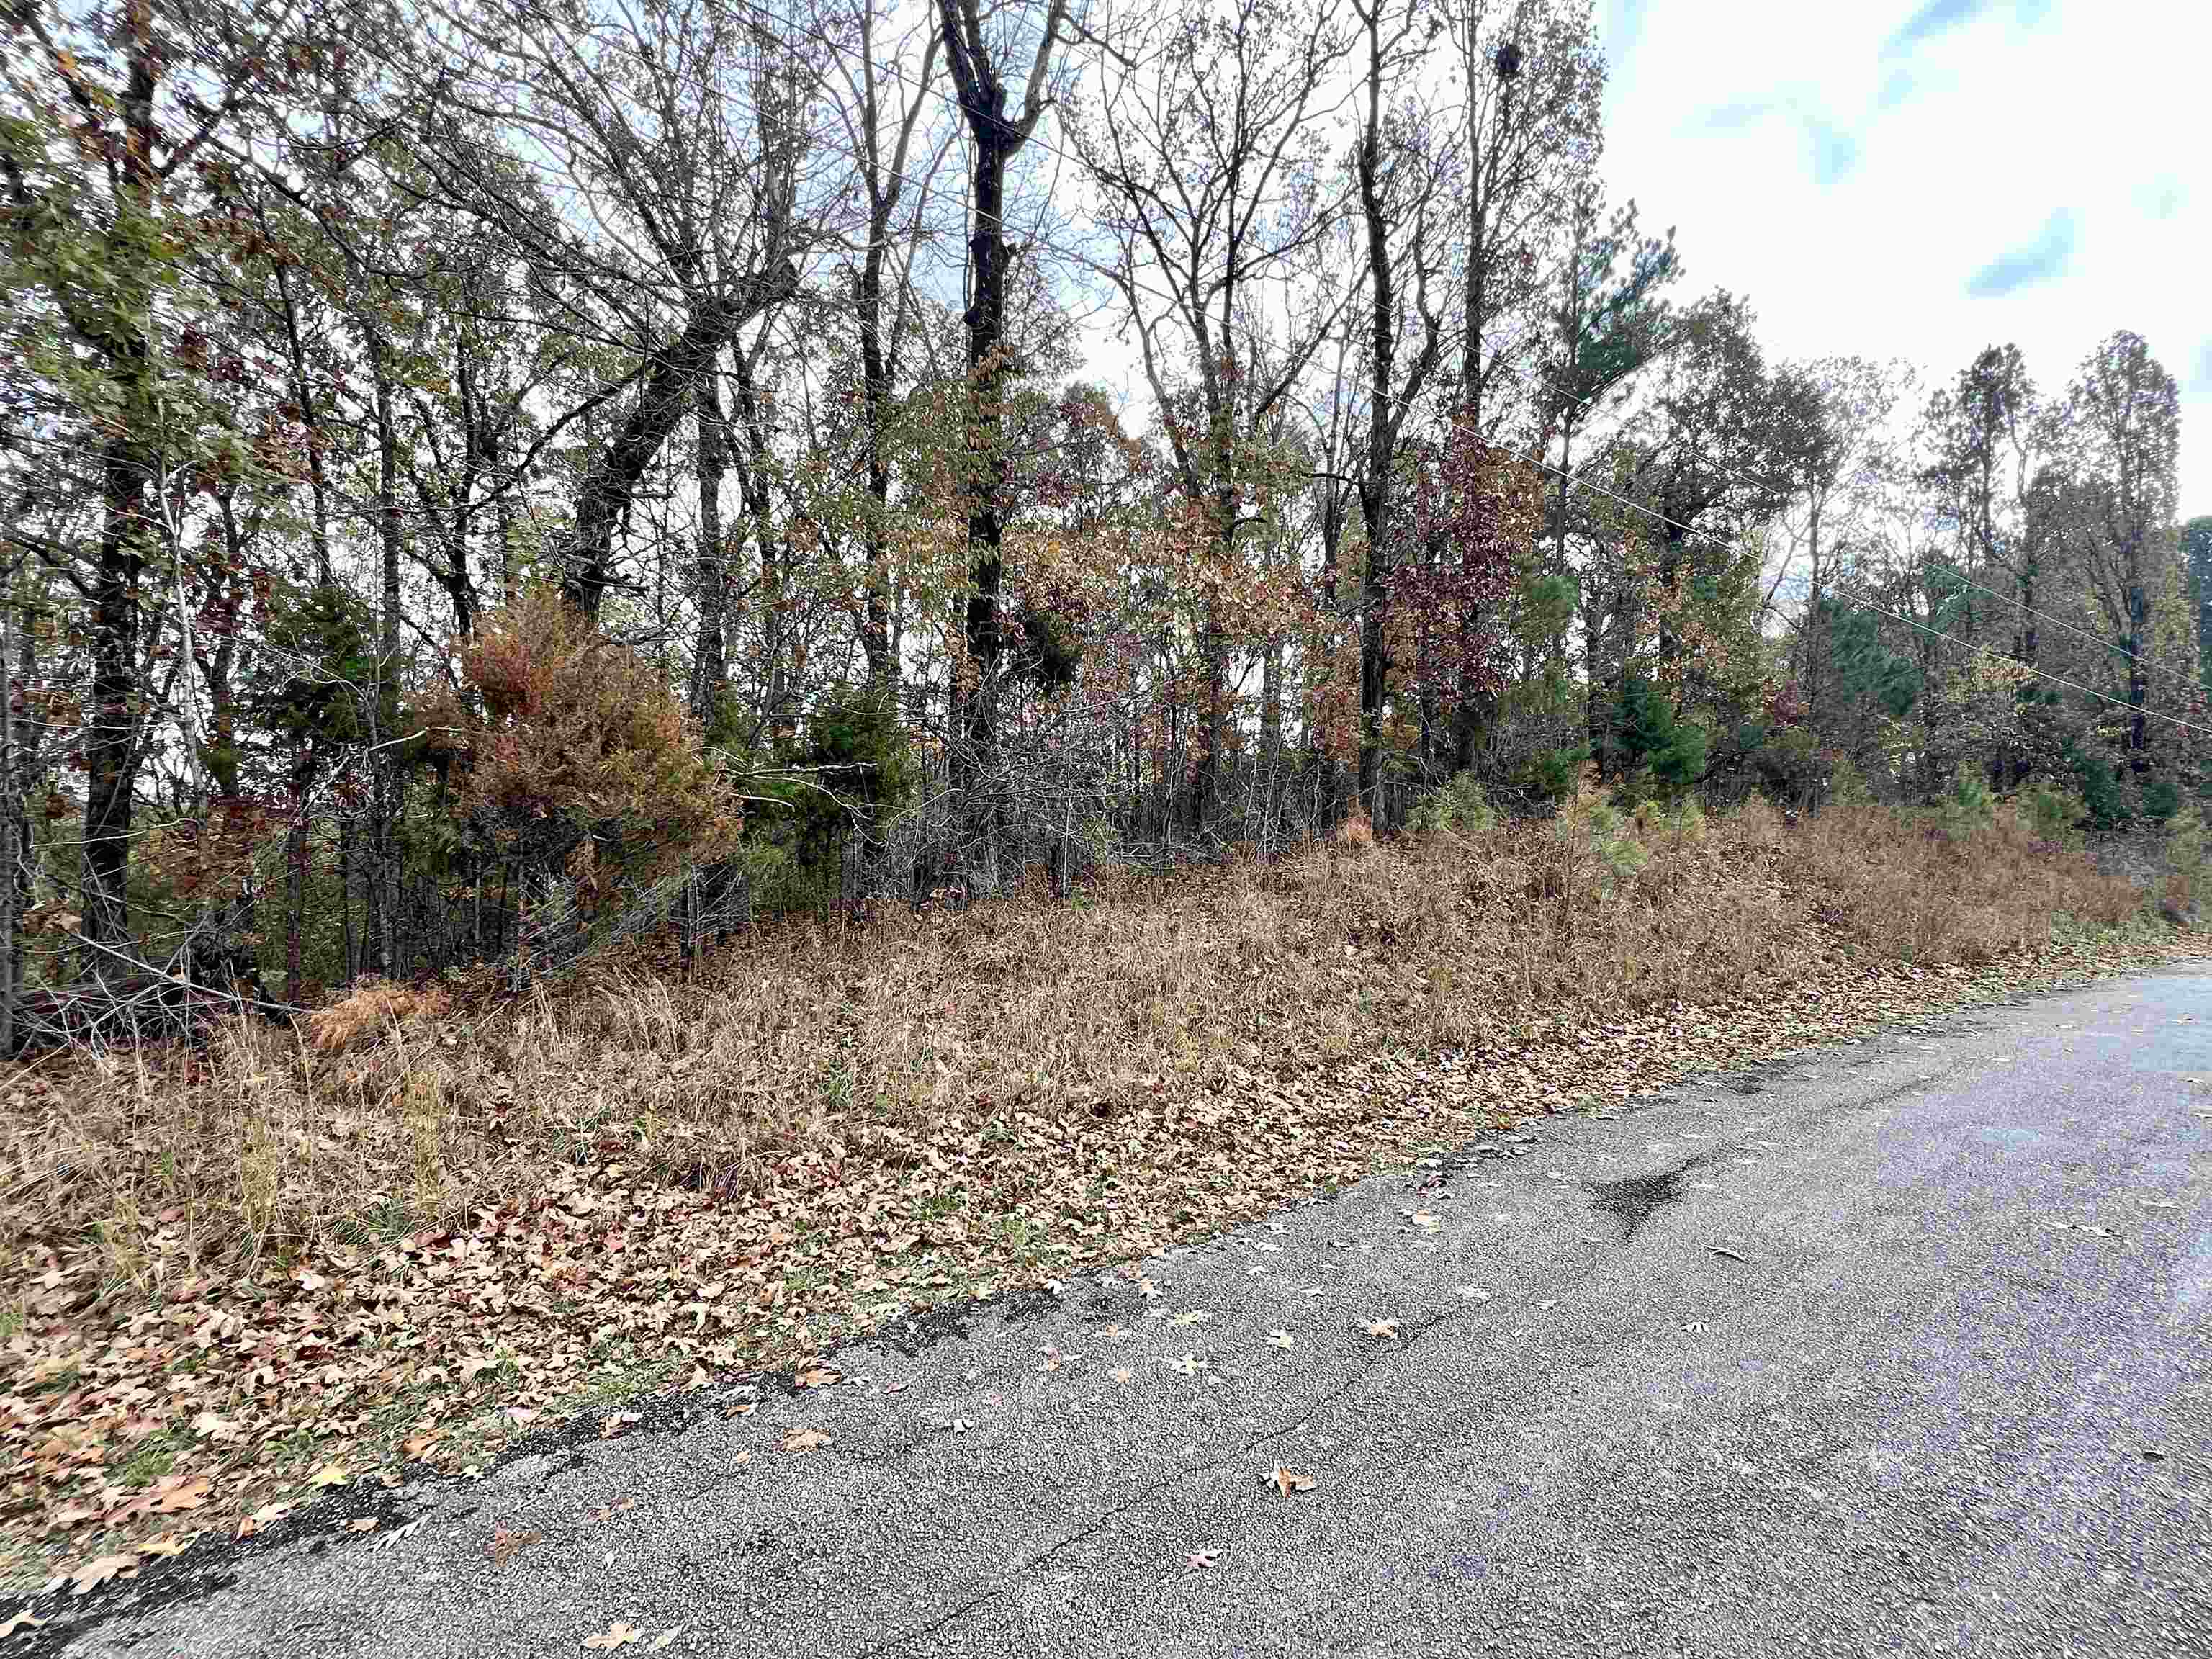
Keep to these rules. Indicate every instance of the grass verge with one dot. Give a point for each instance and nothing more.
(413, 1228)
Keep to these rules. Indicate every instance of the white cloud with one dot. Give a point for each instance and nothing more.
(1855, 194)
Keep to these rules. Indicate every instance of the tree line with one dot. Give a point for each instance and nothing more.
(479, 474)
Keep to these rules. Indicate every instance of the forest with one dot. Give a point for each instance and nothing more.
(483, 481)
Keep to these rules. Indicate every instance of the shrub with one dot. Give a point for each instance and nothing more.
(1684, 822)
(2049, 812)
(852, 765)
(2161, 799)
(1596, 850)
(1550, 774)
(2185, 852)
(1459, 808)
(2102, 790)
(371, 1010)
(1967, 807)
(563, 751)
(1665, 755)
(1847, 785)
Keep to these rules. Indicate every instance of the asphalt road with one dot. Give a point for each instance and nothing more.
(1902, 1348)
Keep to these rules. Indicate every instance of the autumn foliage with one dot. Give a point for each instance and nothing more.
(563, 750)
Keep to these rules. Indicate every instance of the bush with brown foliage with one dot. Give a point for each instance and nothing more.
(374, 1008)
(564, 750)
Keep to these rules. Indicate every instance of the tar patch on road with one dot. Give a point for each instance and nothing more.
(1632, 1201)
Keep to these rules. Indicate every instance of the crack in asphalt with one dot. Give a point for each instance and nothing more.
(1321, 1402)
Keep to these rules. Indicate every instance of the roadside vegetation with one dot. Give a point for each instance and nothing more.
(623, 756)
(399, 1233)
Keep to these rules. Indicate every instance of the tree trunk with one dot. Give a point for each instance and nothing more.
(876, 389)
(111, 744)
(977, 723)
(610, 487)
(709, 662)
(1375, 486)
(760, 510)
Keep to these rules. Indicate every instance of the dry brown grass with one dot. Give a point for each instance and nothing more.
(397, 1112)
(392, 1235)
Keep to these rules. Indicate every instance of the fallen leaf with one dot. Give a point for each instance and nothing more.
(387, 1540)
(505, 1540)
(1386, 1329)
(745, 1410)
(816, 1377)
(175, 1493)
(420, 1443)
(361, 1524)
(1122, 1374)
(94, 1573)
(1200, 1559)
(1190, 1364)
(614, 1636)
(1282, 1339)
(20, 1621)
(330, 1474)
(666, 1637)
(612, 1425)
(168, 1543)
(1287, 1483)
(805, 1440)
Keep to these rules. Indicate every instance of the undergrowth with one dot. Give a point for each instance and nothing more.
(395, 1112)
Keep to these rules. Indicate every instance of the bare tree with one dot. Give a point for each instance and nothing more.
(1208, 154)
(1401, 170)
(2123, 432)
(1532, 91)
(884, 95)
(981, 43)
(1833, 412)
(680, 145)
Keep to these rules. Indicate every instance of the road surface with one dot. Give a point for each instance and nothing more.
(1896, 1349)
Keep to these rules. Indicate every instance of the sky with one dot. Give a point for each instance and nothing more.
(1918, 178)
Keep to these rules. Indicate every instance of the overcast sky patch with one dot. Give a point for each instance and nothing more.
(1879, 177)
